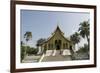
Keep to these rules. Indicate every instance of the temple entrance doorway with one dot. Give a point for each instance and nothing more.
(58, 44)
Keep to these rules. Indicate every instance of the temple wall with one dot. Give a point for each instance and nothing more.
(50, 44)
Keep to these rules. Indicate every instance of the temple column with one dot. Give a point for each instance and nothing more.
(68, 46)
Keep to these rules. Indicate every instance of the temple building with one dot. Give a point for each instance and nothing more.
(57, 43)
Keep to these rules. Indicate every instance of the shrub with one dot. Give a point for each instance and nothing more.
(31, 51)
(84, 49)
(22, 52)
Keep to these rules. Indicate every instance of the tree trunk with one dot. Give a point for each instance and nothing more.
(25, 49)
(88, 45)
(88, 42)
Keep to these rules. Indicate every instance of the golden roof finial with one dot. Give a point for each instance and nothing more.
(58, 27)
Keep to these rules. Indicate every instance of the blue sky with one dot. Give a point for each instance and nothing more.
(43, 23)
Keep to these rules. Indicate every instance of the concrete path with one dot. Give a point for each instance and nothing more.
(31, 59)
(56, 58)
(47, 57)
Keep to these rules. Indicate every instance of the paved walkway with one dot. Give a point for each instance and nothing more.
(56, 58)
(47, 57)
(31, 59)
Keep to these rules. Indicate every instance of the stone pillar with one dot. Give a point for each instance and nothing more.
(68, 45)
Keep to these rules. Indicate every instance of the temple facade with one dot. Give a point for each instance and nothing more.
(57, 42)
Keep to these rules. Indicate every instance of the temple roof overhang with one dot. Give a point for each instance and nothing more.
(53, 34)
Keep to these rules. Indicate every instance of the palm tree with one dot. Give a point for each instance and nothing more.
(22, 43)
(27, 36)
(75, 38)
(84, 30)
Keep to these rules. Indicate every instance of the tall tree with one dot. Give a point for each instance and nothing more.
(75, 38)
(40, 42)
(22, 51)
(84, 30)
(22, 43)
(27, 36)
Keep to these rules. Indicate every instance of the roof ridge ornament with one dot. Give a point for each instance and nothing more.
(57, 28)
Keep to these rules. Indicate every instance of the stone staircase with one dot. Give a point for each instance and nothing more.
(58, 52)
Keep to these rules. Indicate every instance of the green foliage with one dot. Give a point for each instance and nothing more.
(75, 38)
(84, 29)
(84, 49)
(31, 50)
(28, 35)
(22, 52)
(27, 50)
(40, 42)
